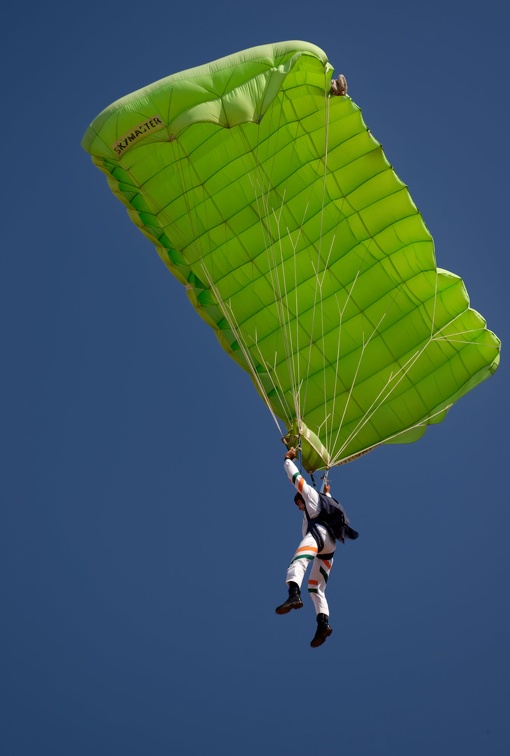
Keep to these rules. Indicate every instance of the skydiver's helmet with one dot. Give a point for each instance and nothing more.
(298, 497)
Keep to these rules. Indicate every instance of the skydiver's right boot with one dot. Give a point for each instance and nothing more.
(293, 601)
(323, 630)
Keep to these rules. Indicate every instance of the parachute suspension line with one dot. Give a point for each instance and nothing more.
(341, 313)
(228, 315)
(339, 342)
(388, 389)
(338, 349)
(353, 382)
(297, 381)
(285, 321)
(361, 424)
(467, 342)
(321, 282)
(280, 288)
(281, 300)
(194, 198)
(300, 381)
(262, 187)
(255, 173)
(320, 426)
(325, 357)
(225, 309)
(324, 371)
(319, 289)
(296, 310)
(419, 424)
(291, 341)
(312, 329)
(367, 449)
(435, 335)
(318, 293)
(381, 398)
(339, 87)
(277, 290)
(324, 174)
(272, 375)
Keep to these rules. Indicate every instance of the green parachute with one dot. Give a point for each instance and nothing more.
(268, 198)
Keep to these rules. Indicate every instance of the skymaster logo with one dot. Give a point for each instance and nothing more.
(139, 132)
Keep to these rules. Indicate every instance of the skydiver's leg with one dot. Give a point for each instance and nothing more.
(317, 583)
(319, 575)
(305, 553)
(321, 569)
(317, 589)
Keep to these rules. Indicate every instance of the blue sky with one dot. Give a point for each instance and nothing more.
(138, 618)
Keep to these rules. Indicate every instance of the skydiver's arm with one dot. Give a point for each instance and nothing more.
(308, 493)
(295, 477)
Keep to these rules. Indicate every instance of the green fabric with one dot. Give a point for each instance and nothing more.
(278, 210)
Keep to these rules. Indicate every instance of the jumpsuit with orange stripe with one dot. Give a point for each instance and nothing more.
(307, 551)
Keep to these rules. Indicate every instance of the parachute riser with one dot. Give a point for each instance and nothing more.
(314, 454)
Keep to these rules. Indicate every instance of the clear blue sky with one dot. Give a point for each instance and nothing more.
(135, 619)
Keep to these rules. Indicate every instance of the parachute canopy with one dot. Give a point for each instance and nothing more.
(270, 201)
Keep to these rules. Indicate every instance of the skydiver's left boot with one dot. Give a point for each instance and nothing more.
(293, 602)
(323, 630)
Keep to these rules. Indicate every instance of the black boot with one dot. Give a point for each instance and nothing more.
(323, 630)
(293, 602)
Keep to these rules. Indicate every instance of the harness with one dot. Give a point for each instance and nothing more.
(332, 517)
(317, 535)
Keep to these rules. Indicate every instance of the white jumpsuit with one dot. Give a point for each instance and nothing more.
(307, 551)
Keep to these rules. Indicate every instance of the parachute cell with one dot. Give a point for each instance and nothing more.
(268, 198)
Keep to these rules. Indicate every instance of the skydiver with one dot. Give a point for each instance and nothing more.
(317, 546)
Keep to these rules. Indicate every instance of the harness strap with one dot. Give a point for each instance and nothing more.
(326, 527)
(319, 540)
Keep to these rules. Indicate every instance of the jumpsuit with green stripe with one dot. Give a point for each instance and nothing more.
(307, 551)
